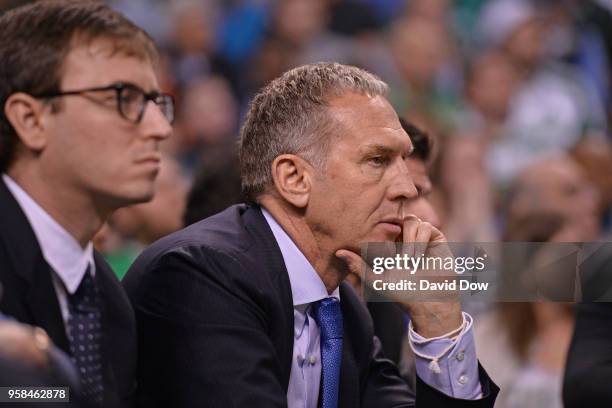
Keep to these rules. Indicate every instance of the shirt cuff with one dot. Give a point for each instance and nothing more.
(448, 364)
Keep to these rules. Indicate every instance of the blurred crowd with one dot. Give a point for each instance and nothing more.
(515, 94)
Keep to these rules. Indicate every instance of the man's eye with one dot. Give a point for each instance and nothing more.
(128, 98)
(378, 161)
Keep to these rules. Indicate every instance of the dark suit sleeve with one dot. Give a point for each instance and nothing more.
(385, 388)
(202, 334)
(589, 364)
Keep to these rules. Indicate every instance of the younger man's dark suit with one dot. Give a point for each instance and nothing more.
(29, 296)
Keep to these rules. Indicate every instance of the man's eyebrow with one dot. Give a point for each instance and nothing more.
(384, 149)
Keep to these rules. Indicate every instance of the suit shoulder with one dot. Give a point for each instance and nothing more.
(220, 246)
(221, 234)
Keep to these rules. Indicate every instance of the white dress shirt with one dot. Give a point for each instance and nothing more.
(306, 288)
(61, 250)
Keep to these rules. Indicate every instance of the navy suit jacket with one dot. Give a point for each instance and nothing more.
(29, 296)
(215, 325)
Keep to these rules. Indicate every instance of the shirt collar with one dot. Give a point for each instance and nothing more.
(306, 284)
(59, 248)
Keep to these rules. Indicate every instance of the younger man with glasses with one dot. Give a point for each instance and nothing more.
(78, 139)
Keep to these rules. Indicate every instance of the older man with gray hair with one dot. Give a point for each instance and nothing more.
(249, 308)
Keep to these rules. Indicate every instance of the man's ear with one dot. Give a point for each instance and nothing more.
(25, 113)
(292, 177)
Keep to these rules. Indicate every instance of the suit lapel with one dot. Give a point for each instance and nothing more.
(44, 307)
(349, 380)
(107, 310)
(118, 335)
(275, 268)
(26, 260)
(349, 393)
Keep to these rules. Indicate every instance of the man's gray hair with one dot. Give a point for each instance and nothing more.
(289, 116)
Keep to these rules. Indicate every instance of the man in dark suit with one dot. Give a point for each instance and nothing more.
(78, 139)
(248, 308)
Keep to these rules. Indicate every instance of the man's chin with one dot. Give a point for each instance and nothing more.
(142, 197)
(132, 196)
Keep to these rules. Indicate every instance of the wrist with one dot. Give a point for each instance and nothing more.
(431, 319)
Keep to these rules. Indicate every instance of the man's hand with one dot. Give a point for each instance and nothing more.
(29, 345)
(429, 318)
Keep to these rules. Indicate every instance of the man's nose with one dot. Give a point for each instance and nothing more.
(154, 123)
(402, 184)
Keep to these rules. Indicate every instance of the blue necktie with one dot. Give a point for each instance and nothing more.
(328, 316)
(85, 335)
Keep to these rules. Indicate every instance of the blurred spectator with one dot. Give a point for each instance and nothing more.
(524, 347)
(151, 15)
(386, 10)
(422, 87)
(595, 157)
(166, 78)
(207, 119)
(194, 47)
(580, 34)
(303, 24)
(274, 57)
(436, 11)
(361, 23)
(491, 83)
(552, 201)
(351, 18)
(552, 110)
(298, 33)
(244, 24)
(521, 106)
(216, 186)
(469, 201)
(419, 165)
(558, 185)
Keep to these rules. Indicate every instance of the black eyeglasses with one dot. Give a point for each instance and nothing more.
(131, 100)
